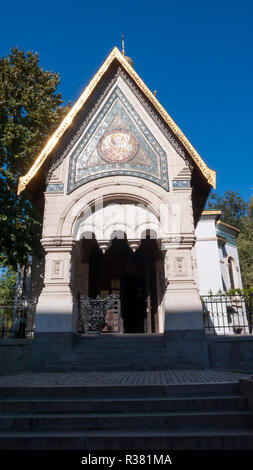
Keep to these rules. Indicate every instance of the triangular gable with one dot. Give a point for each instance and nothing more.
(210, 175)
(117, 143)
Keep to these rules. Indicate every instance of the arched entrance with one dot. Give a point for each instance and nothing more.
(131, 276)
(118, 242)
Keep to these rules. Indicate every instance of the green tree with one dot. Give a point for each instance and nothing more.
(232, 205)
(30, 110)
(7, 295)
(7, 284)
(238, 212)
(245, 247)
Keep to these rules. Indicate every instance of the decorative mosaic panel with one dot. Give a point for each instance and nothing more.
(55, 188)
(117, 143)
(181, 184)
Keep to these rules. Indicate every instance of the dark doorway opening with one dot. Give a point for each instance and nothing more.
(132, 276)
(134, 303)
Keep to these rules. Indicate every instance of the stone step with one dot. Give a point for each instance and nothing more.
(97, 342)
(119, 351)
(196, 415)
(115, 350)
(101, 345)
(111, 363)
(220, 402)
(119, 355)
(155, 439)
(123, 391)
(138, 420)
(130, 366)
(122, 338)
(185, 439)
(118, 343)
(114, 363)
(92, 368)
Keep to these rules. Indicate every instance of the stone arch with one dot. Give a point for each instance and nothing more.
(126, 217)
(85, 201)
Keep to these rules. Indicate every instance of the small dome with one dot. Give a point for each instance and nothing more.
(130, 61)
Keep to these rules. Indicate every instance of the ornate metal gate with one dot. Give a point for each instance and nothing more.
(98, 315)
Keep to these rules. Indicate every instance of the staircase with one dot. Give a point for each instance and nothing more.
(126, 417)
(117, 352)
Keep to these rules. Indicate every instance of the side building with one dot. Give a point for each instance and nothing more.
(217, 254)
(218, 271)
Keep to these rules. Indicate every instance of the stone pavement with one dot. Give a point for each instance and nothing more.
(153, 377)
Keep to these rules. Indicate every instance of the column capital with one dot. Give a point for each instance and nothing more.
(104, 245)
(134, 244)
(179, 242)
(57, 244)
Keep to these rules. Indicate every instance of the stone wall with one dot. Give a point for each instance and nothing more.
(189, 348)
(15, 355)
(233, 352)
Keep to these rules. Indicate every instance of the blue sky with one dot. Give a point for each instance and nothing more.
(197, 54)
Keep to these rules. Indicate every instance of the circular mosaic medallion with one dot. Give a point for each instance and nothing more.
(118, 146)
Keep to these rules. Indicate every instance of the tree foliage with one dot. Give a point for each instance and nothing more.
(245, 247)
(238, 212)
(232, 205)
(30, 110)
(7, 284)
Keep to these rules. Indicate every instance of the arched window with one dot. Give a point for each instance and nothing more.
(232, 273)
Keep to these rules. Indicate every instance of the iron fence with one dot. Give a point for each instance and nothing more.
(98, 315)
(224, 314)
(228, 314)
(17, 318)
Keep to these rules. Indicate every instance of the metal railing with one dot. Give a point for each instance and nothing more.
(17, 318)
(224, 314)
(98, 315)
(227, 314)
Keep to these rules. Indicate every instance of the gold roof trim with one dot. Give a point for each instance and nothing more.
(209, 174)
(221, 239)
(211, 212)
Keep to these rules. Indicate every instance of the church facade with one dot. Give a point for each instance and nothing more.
(121, 190)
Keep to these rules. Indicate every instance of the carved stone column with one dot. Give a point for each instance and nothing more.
(160, 294)
(55, 306)
(183, 310)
